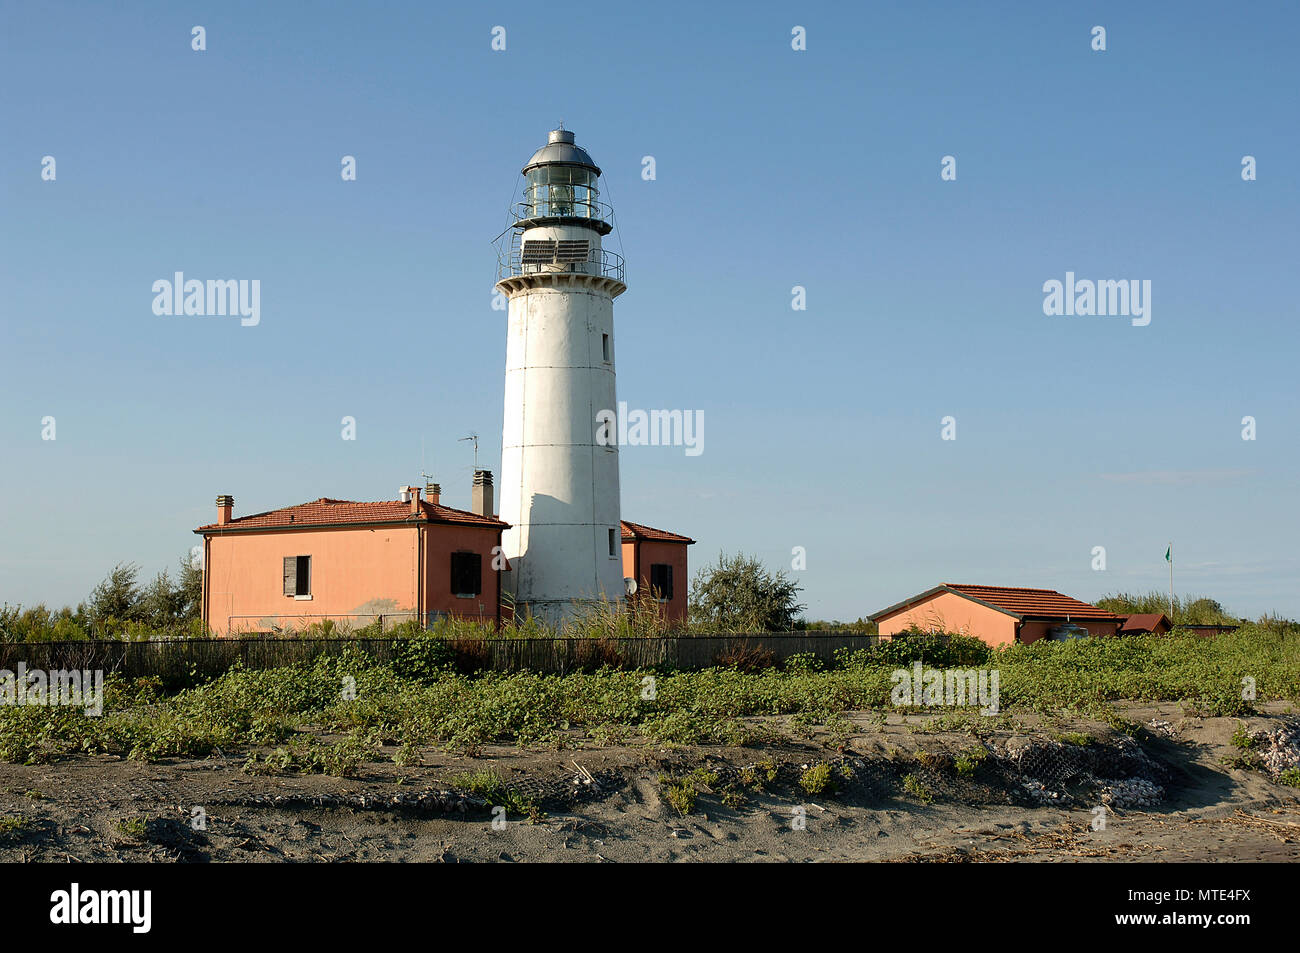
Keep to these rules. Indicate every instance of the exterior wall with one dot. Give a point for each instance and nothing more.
(951, 613)
(364, 571)
(638, 557)
(1033, 631)
(559, 490)
(356, 575)
(440, 542)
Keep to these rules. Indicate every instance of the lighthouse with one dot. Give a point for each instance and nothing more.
(559, 473)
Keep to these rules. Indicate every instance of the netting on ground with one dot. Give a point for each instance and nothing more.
(1020, 770)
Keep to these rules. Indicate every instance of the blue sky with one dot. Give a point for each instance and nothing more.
(775, 168)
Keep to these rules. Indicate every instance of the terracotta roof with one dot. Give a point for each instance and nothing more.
(1143, 622)
(327, 512)
(633, 531)
(1014, 601)
(1031, 602)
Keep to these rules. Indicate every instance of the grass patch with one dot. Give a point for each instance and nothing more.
(490, 786)
(914, 786)
(817, 779)
(421, 701)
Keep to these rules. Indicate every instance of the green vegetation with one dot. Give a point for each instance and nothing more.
(817, 779)
(914, 786)
(490, 786)
(1077, 738)
(679, 792)
(136, 828)
(740, 595)
(418, 700)
(967, 763)
(117, 608)
(1187, 610)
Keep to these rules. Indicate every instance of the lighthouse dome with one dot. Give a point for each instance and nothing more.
(560, 149)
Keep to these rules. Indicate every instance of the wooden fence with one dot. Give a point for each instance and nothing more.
(184, 660)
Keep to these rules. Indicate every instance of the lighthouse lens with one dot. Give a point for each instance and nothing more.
(561, 191)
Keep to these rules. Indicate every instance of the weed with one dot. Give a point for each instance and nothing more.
(136, 828)
(817, 779)
(680, 793)
(1077, 738)
(917, 788)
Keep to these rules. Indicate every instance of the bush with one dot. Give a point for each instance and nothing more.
(422, 659)
(740, 595)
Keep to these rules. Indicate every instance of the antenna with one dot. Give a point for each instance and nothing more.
(473, 437)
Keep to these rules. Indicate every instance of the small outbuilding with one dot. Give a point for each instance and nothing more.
(1145, 623)
(998, 615)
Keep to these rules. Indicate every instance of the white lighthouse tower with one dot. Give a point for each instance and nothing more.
(559, 482)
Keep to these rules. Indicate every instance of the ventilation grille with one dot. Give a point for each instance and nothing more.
(570, 250)
(537, 252)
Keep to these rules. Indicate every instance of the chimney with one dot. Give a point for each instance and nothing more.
(433, 491)
(415, 499)
(224, 506)
(482, 496)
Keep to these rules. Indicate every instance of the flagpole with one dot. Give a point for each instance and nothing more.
(1171, 582)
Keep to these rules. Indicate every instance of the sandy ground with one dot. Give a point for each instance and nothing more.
(107, 809)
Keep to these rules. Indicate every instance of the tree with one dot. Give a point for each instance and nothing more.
(115, 600)
(739, 594)
(189, 591)
(159, 604)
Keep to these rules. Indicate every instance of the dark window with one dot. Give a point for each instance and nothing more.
(466, 574)
(297, 575)
(604, 347)
(612, 551)
(661, 580)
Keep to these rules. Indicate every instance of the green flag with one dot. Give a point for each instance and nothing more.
(1169, 554)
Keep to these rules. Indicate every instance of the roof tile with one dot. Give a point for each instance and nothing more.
(632, 531)
(329, 512)
(1031, 602)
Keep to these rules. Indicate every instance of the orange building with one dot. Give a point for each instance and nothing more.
(354, 562)
(656, 559)
(999, 615)
(393, 560)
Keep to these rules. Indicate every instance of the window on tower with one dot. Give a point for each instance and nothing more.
(604, 348)
(562, 191)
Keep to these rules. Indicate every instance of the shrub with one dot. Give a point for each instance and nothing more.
(817, 779)
(914, 786)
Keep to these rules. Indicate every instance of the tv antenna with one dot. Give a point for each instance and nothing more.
(474, 438)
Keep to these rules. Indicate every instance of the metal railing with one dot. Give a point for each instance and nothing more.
(587, 209)
(599, 262)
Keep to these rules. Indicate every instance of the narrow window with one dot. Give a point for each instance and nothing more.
(612, 551)
(604, 347)
(297, 576)
(466, 575)
(661, 581)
